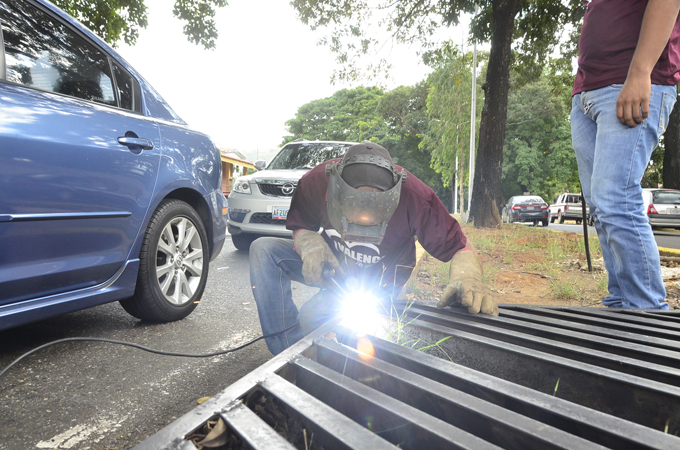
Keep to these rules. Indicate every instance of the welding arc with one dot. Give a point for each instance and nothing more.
(141, 347)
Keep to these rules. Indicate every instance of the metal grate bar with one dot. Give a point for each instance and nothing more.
(253, 430)
(669, 320)
(479, 417)
(332, 428)
(576, 346)
(609, 320)
(586, 423)
(395, 421)
(579, 337)
(598, 327)
(599, 388)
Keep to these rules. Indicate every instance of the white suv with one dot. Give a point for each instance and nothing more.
(259, 203)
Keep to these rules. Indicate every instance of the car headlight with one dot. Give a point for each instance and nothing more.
(242, 186)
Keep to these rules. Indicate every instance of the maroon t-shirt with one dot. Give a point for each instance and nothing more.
(419, 213)
(609, 36)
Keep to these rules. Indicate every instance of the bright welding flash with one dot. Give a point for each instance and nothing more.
(360, 311)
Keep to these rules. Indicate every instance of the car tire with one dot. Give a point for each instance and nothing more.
(560, 217)
(544, 222)
(173, 265)
(578, 221)
(509, 218)
(242, 241)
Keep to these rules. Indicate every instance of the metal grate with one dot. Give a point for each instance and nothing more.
(266, 218)
(532, 378)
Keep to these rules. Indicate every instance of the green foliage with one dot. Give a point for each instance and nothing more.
(538, 156)
(113, 20)
(448, 108)
(396, 120)
(348, 115)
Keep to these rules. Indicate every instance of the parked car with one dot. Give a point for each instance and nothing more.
(567, 207)
(526, 208)
(105, 194)
(259, 203)
(662, 207)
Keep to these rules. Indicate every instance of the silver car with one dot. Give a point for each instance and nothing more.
(259, 203)
(662, 207)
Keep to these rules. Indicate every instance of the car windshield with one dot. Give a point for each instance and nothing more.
(667, 197)
(529, 200)
(306, 155)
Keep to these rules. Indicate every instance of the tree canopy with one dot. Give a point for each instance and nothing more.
(534, 27)
(396, 120)
(116, 20)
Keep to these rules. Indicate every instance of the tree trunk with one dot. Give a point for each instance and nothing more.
(486, 191)
(671, 156)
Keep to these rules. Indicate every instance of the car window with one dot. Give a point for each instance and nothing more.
(667, 197)
(43, 53)
(127, 89)
(529, 200)
(306, 155)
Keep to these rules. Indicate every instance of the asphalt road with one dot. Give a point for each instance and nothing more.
(96, 396)
(664, 238)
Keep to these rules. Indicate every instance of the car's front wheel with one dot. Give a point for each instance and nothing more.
(173, 264)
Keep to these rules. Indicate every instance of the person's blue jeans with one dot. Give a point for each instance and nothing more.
(612, 158)
(273, 264)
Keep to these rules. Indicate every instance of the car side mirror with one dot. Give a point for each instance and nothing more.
(261, 164)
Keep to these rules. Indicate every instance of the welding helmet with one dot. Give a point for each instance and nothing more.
(362, 216)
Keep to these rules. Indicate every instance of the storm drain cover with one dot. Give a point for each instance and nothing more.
(533, 378)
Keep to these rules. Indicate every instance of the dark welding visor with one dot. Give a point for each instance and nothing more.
(360, 216)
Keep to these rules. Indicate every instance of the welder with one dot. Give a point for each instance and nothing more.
(358, 216)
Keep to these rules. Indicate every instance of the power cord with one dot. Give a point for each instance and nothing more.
(141, 347)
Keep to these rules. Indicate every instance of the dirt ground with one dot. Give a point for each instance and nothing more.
(535, 266)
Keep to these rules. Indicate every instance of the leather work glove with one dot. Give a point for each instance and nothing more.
(316, 256)
(466, 288)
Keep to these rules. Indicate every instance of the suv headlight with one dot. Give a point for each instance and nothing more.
(242, 186)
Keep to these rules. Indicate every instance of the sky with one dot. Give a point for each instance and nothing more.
(266, 65)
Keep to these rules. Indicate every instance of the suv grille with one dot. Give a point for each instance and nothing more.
(276, 190)
(266, 218)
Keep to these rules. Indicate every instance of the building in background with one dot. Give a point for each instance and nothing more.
(234, 164)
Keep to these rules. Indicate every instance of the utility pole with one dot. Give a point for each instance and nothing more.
(473, 119)
(455, 187)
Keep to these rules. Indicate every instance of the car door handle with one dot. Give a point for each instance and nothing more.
(135, 142)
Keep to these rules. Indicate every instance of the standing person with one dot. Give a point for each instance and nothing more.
(358, 216)
(624, 92)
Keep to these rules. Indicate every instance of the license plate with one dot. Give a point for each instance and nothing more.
(530, 208)
(675, 210)
(280, 212)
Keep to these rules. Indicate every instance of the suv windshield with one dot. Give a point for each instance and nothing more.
(306, 155)
(667, 197)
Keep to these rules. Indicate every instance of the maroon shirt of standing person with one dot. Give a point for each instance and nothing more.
(419, 213)
(609, 37)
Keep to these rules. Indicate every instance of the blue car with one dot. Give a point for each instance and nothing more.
(105, 193)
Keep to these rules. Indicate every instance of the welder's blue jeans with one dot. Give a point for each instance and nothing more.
(273, 264)
(612, 158)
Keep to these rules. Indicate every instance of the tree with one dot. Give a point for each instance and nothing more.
(671, 146)
(448, 107)
(113, 20)
(404, 111)
(538, 157)
(396, 120)
(535, 26)
(347, 115)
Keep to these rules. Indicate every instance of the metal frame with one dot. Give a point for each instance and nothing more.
(532, 378)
